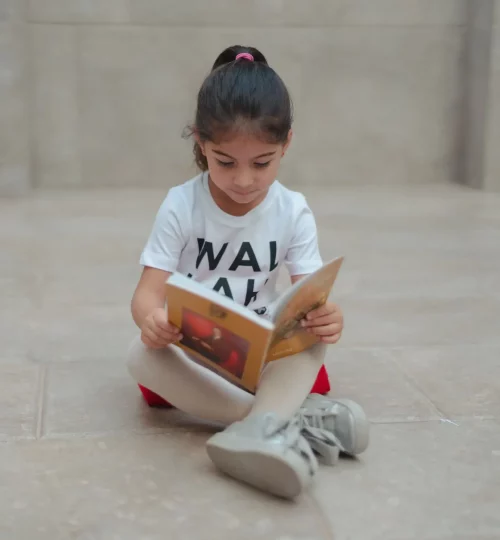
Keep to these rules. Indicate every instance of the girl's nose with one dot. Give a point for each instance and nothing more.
(243, 179)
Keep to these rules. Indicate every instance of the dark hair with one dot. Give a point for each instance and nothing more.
(241, 93)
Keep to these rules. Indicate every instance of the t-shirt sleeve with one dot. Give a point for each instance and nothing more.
(167, 239)
(303, 256)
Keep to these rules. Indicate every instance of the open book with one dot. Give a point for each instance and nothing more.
(232, 339)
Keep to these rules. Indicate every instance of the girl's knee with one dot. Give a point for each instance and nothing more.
(137, 358)
(143, 361)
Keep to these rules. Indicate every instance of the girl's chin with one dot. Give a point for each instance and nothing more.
(243, 198)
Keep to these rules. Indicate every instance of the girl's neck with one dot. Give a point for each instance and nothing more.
(227, 205)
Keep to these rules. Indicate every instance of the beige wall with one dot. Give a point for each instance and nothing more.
(481, 150)
(14, 129)
(377, 86)
(492, 147)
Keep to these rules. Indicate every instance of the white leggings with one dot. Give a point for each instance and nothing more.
(196, 390)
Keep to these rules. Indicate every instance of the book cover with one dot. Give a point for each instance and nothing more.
(229, 339)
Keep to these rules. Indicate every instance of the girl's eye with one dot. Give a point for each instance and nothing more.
(225, 163)
(262, 165)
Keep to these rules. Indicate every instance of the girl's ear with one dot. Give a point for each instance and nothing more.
(287, 142)
(199, 142)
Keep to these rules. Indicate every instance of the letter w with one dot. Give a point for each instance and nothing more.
(207, 248)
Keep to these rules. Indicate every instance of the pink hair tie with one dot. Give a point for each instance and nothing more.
(245, 55)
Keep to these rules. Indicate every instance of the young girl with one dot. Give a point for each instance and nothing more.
(231, 228)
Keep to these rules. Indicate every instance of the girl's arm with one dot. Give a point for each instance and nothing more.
(149, 294)
(160, 258)
(148, 310)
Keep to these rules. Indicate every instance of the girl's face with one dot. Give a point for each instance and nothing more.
(241, 171)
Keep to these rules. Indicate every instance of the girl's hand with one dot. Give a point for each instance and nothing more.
(327, 322)
(157, 332)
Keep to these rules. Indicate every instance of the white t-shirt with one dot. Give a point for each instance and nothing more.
(239, 256)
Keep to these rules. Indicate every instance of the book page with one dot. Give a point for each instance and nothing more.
(307, 294)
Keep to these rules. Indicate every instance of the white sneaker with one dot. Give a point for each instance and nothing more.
(334, 425)
(266, 453)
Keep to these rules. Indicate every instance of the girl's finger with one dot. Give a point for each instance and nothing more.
(165, 335)
(173, 329)
(331, 339)
(325, 309)
(331, 318)
(154, 338)
(327, 330)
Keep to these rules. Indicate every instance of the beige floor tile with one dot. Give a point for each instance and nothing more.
(95, 396)
(86, 397)
(18, 400)
(75, 332)
(90, 284)
(128, 488)
(418, 277)
(17, 332)
(462, 380)
(371, 378)
(414, 322)
(421, 481)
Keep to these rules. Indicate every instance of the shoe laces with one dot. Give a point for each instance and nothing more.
(321, 438)
(290, 436)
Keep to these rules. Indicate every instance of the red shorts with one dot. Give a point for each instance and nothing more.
(321, 386)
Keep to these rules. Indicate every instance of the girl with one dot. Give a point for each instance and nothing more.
(231, 228)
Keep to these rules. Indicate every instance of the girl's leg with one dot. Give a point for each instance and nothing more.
(285, 383)
(265, 449)
(196, 390)
(272, 448)
(190, 387)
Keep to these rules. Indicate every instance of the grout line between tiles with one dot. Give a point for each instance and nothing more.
(389, 421)
(419, 346)
(41, 395)
(442, 415)
(149, 431)
(200, 431)
(374, 348)
(189, 430)
(293, 26)
(324, 522)
(13, 439)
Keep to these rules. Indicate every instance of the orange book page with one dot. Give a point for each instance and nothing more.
(224, 341)
(289, 337)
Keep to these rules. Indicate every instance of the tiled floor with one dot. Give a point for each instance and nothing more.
(82, 457)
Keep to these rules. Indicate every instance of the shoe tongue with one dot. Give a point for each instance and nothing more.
(330, 422)
(327, 421)
(339, 425)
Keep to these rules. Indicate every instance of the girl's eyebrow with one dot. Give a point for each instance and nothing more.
(266, 154)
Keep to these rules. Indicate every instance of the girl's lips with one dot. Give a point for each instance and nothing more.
(245, 194)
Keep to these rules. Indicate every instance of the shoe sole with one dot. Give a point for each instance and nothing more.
(262, 469)
(360, 427)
